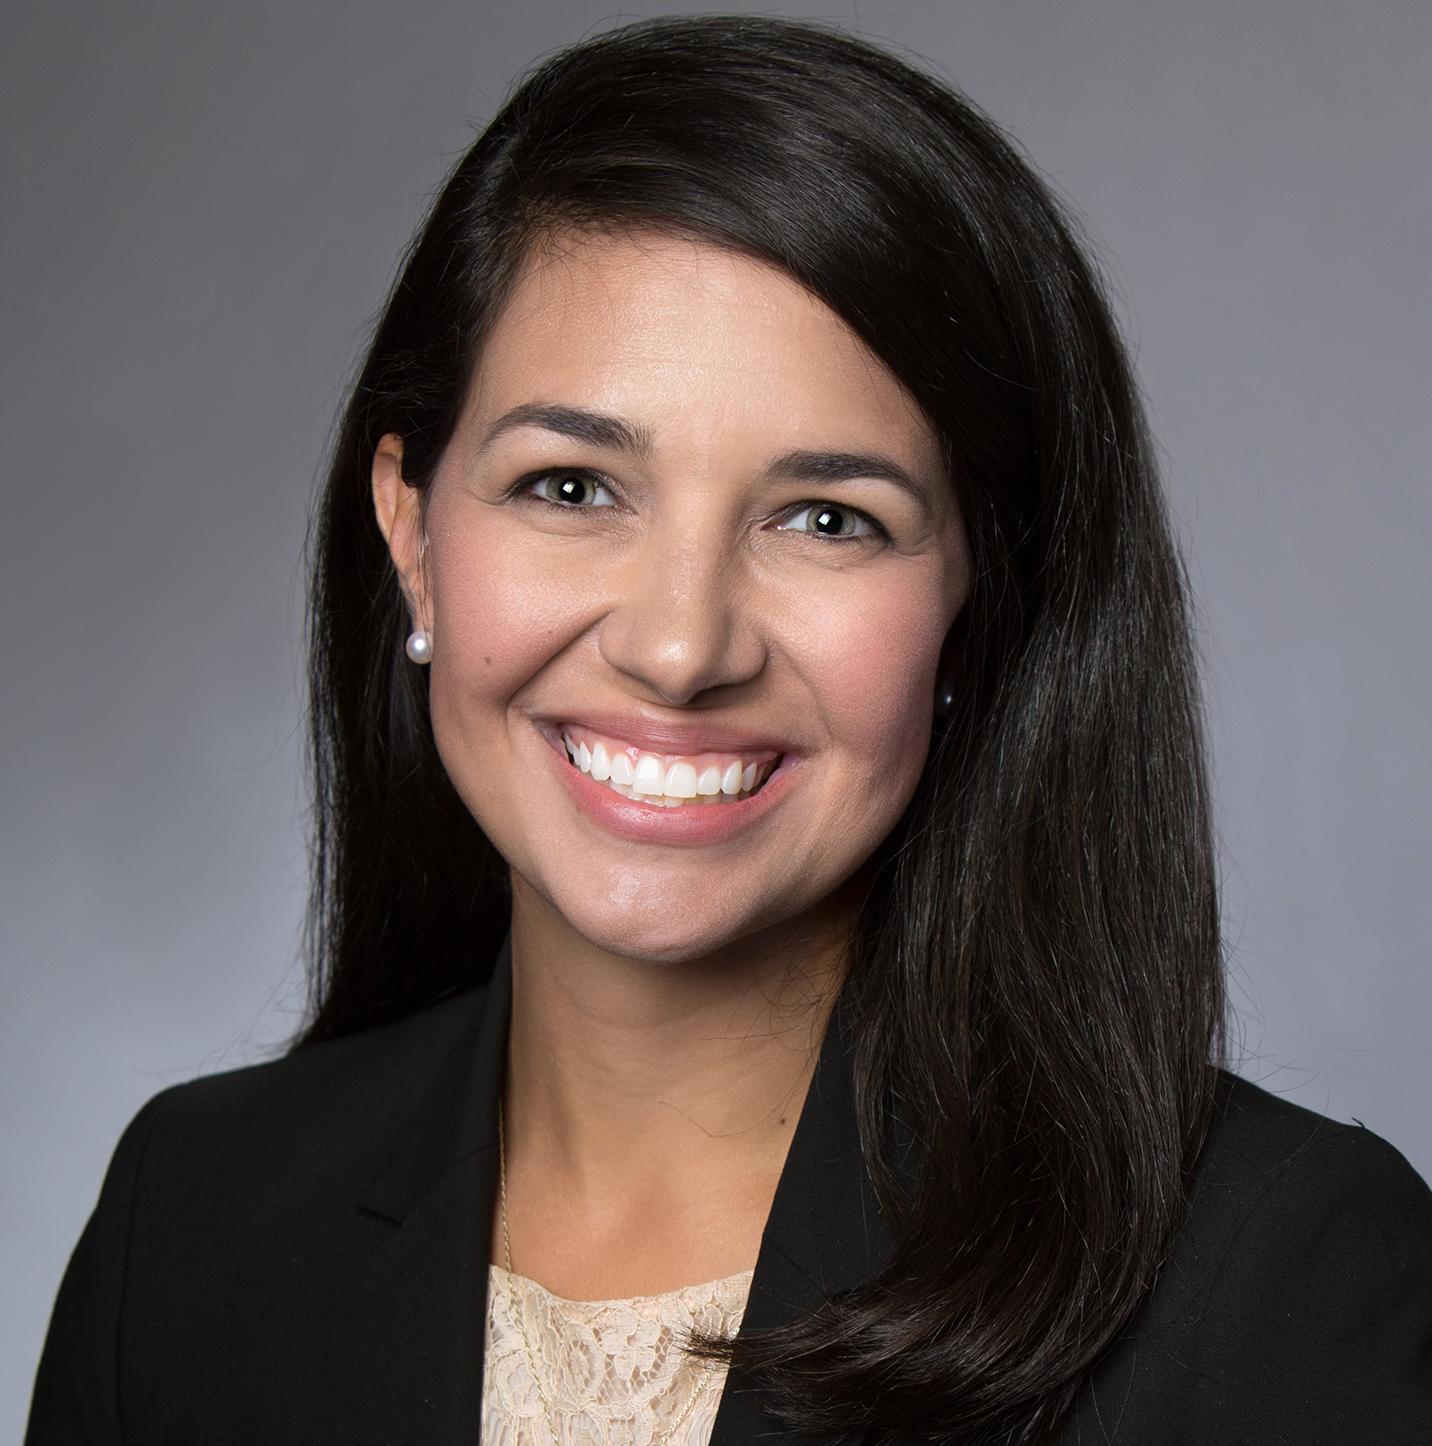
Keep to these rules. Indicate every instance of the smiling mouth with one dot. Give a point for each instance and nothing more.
(668, 783)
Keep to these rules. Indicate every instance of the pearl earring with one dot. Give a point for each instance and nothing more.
(420, 646)
(946, 699)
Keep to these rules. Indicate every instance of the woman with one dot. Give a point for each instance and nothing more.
(767, 982)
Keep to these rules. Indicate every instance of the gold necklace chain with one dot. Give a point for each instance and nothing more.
(548, 1414)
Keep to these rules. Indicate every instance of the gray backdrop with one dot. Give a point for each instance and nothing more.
(202, 208)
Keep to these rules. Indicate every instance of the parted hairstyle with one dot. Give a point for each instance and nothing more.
(1037, 971)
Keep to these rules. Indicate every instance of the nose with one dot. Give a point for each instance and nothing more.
(682, 619)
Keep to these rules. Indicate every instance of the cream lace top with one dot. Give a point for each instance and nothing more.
(613, 1371)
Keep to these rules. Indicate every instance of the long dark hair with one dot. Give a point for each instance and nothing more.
(1037, 970)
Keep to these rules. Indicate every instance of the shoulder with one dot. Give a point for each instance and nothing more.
(1296, 1216)
(336, 1105)
(245, 1180)
(1307, 1222)
(1267, 1158)
(1296, 1302)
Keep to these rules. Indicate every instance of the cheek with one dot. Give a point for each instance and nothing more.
(496, 622)
(873, 664)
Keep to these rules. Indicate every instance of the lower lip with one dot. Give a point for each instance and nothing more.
(684, 825)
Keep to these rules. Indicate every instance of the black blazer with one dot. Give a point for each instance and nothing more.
(295, 1253)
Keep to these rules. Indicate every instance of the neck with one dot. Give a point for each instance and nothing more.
(640, 1091)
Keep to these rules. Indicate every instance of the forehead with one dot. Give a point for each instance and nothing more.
(688, 337)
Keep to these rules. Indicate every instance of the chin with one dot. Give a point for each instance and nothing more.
(655, 937)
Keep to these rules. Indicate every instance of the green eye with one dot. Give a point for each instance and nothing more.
(569, 486)
(828, 517)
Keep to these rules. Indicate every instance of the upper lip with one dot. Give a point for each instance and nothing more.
(670, 735)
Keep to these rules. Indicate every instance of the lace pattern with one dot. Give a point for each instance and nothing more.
(613, 1371)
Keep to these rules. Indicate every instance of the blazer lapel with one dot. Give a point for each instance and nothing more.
(418, 1344)
(420, 1306)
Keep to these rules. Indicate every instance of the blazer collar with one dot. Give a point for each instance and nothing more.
(824, 1233)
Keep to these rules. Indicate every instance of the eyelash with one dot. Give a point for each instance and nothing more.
(523, 486)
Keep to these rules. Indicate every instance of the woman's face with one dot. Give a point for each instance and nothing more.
(672, 532)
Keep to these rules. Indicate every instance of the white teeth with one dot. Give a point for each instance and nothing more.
(680, 781)
(648, 775)
(651, 781)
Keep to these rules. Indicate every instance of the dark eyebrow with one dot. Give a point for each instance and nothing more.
(598, 429)
(595, 428)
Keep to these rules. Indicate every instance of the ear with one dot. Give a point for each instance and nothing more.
(400, 518)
